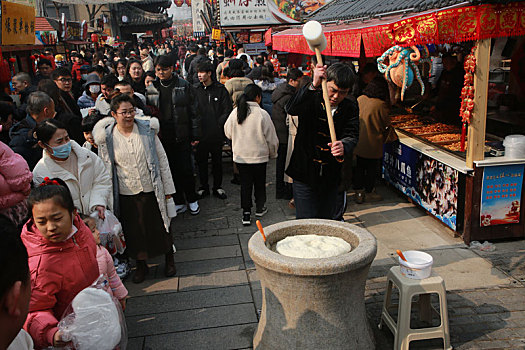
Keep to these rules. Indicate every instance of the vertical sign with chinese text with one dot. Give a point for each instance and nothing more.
(501, 195)
(18, 24)
(198, 25)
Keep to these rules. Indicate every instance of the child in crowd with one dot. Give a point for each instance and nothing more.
(62, 259)
(105, 265)
(88, 123)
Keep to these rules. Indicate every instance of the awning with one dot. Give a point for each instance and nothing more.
(431, 27)
(42, 24)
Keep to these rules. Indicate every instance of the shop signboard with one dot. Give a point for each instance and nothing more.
(198, 25)
(47, 37)
(216, 34)
(18, 24)
(428, 182)
(501, 195)
(254, 49)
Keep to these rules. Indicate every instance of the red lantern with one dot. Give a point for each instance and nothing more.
(104, 37)
(188, 2)
(94, 38)
(178, 3)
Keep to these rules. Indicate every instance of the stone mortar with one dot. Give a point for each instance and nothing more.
(313, 303)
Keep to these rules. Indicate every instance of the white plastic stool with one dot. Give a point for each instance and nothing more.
(403, 334)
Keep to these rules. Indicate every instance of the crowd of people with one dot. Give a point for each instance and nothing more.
(123, 132)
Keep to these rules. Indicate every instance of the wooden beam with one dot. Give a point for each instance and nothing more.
(476, 129)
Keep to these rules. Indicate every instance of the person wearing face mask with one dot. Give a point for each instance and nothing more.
(91, 91)
(83, 171)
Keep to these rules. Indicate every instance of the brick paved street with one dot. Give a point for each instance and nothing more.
(213, 301)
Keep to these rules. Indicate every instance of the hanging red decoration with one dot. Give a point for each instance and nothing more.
(467, 94)
(178, 3)
(187, 2)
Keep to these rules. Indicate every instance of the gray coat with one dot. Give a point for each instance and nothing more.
(162, 181)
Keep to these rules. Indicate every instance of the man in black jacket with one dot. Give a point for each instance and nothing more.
(315, 165)
(64, 80)
(187, 62)
(215, 106)
(280, 97)
(22, 86)
(39, 108)
(180, 128)
(192, 72)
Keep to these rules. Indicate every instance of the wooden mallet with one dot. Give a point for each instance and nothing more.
(313, 33)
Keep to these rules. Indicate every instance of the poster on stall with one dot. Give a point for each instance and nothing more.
(198, 25)
(431, 184)
(216, 34)
(18, 24)
(501, 195)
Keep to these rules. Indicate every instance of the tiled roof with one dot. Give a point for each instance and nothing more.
(352, 9)
(139, 17)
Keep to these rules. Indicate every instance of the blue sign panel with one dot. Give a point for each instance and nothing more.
(501, 195)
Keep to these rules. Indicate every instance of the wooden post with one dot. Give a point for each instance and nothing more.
(476, 128)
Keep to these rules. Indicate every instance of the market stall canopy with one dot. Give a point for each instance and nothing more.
(436, 26)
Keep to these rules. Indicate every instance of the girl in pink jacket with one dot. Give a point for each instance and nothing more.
(106, 266)
(15, 184)
(62, 259)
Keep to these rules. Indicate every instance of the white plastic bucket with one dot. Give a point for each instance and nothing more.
(514, 146)
(418, 265)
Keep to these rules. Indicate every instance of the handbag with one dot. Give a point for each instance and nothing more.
(390, 135)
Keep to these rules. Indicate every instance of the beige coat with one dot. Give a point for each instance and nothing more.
(373, 121)
(235, 87)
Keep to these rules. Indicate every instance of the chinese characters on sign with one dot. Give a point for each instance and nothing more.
(501, 195)
(245, 12)
(18, 24)
(198, 24)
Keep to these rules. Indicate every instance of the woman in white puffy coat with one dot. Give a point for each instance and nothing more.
(82, 170)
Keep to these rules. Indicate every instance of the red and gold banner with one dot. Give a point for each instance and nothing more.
(346, 43)
(297, 43)
(268, 37)
(441, 27)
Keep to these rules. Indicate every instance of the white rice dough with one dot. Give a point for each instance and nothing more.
(312, 246)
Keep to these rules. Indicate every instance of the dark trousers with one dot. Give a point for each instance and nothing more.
(314, 203)
(179, 158)
(366, 172)
(201, 156)
(253, 176)
(281, 188)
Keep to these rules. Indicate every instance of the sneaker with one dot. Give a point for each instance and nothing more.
(261, 212)
(373, 196)
(235, 180)
(194, 208)
(246, 218)
(203, 192)
(220, 193)
(181, 208)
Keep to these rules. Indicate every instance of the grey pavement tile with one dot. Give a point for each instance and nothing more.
(208, 253)
(135, 343)
(229, 337)
(212, 280)
(152, 286)
(178, 321)
(208, 266)
(186, 300)
(206, 242)
(200, 222)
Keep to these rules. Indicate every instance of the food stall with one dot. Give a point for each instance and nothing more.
(458, 174)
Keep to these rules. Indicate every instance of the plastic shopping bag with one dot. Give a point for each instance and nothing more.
(111, 235)
(94, 320)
